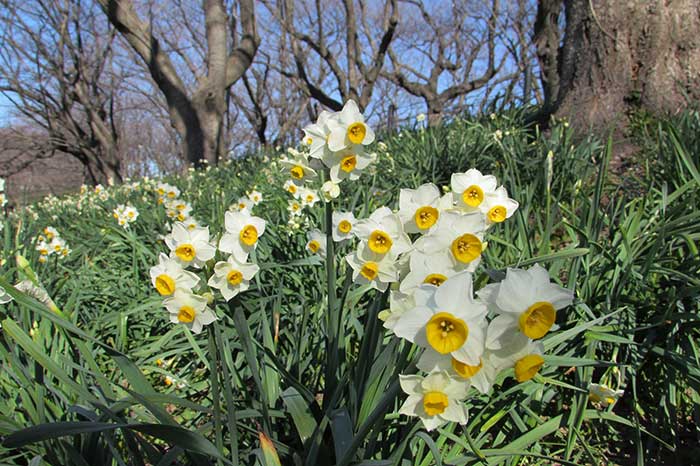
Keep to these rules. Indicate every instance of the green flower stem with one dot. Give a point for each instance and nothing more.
(333, 320)
(214, 374)
(228, 396)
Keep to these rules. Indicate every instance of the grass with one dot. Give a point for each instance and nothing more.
(626, 243)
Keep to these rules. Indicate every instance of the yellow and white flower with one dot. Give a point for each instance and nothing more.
(471, 188)
(343, 225)
(349, 163)
(168, 276)
(295, 208)
(436, 399)
(525, 300)
(255, 197)
(419, 209)
(377, 270)
(316, 136)
(398, 304)
(330, 190)
(242, 233)
(459, 234)
(383, 232)
(190, 247)
(308, 197)
(348, 128)
(291, 187)
(428, 269)
(298, 168)
(481, 376)
(447, 319)
(497, 206)
(316, 242)
(525, 359)
(243, 204)
(606, 396)
(189, 309)
(232, 276)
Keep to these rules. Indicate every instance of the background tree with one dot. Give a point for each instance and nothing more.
(457, 57)
(196, 108)
(56, 68)
(348, 37)
(617, 56)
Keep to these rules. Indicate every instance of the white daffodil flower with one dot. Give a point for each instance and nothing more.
(481, 376)
(190, 247)
(243, 204)
(460, 234)
(169, 276)
(383, 232)
(242, 233)
(316, 243)
(189, 309)
(606, 396)
(398, 304)
(369, 267)
(525, 300)
(471, 188)
(447, 319)
(316, 136)
(436, 399)
(308, 197)
(525, 359)
(428, 269)
(255, 197)
(294, 208)
(348, 128)
(298, 168)
(349, 163)
(420, 208)
(497, 206)
(330, 190)
(343, 225)
(232, 276)
(291, 187)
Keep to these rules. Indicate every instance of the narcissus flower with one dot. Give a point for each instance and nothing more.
(190, 247)
(242, 233)
(497, 206)
(189, 309)
(428, 269)
(297, 167)
(316, 243)
(383, 232)
(606, 396)
(348, 128)
(419, 209)
(471, 188)
(349, 163)
(524, 300)
(447, 319)
(481, 376)
(369, 267)
(330, 190)
(232, 276)
(461, 235)
(436, 399)
(291, 187)
(255, 197)
(316, 136)
(308, 197)
(525, 359)
(169, 276)
(398, 304)
(343, 225)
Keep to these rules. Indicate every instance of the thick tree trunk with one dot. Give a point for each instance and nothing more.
(435, 111)
(621, 55)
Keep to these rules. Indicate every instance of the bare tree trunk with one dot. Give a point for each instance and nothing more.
(618, 56)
